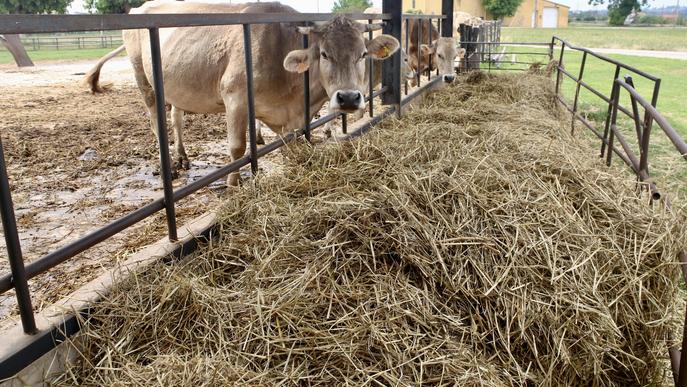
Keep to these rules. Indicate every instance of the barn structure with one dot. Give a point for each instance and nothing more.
(546, 13)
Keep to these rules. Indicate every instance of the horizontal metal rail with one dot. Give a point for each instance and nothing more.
(607, 59)
(32, 24)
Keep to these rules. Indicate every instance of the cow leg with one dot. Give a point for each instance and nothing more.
(149, 99)
(328, 129)
(258, 132)
(180, 157)
(237, 122)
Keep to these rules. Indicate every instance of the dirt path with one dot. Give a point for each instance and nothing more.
(680, 55)
(77, 161)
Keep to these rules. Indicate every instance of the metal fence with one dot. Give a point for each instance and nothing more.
(39, 43)
(390, 92)
(611, 133)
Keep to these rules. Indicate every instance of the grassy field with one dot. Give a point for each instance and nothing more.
(637, 38)
(52, 55)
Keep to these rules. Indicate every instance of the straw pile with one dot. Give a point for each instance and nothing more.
(473, 242)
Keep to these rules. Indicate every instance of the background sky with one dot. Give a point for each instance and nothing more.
(326, 5)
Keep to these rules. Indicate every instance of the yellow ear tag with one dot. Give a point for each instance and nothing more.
(302, 67)
(383, 52)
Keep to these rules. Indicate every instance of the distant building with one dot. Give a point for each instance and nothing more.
(550, 14)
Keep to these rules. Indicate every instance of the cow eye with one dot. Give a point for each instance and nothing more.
(364, 55)
(441, 56)
(324, 55)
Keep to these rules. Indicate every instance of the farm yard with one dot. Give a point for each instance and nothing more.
(472, 242)
(477, 239)
(102, 168)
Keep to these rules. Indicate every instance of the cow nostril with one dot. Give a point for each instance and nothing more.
(340, 98)
(358, 97)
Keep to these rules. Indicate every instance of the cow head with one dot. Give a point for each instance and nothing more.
(443, 52)
(337, 56)
(407, 72)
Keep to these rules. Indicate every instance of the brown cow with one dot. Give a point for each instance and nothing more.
(433, 52)
(204, 68)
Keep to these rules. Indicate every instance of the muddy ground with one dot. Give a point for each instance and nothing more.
(77, 161)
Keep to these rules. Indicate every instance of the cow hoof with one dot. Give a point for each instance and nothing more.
(182, 163)
(175, 174)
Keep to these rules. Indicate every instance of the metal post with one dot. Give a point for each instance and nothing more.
(306, 96)
(9, 224)
(165, 164)
(614, 117)
(558, 73)
(577, 92)
(252, 136)
(682, 375)
(608, 114)
(429, 68)
(391, 69)
(447, 22)
(344, 123)
(418, 46)
(407, 51)
(439, 30)
(371, 66)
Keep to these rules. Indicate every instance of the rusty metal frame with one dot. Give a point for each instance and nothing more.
(638, 165)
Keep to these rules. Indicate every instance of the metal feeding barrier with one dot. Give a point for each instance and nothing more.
(474, 42)
(485, 50)
(41, 341)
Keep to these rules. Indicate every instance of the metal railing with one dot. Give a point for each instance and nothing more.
(67, 42)
(390, 92)
(642, 129)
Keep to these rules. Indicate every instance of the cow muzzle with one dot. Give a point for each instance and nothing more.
(347, 101)
(448, 78)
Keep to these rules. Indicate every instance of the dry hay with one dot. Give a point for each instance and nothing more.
(473, 242)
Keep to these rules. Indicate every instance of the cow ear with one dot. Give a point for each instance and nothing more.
(382, 47)
(428, 49)
(297, 61)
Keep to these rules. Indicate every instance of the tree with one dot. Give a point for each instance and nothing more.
(619, 9)
(12, 42)
(351, 5)
(111, 6)
(501, 8)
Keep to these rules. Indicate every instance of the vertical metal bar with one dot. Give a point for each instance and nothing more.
(439, 30)
(165, 164)
(429, 65)
(252, 135)
(635, 111)
(682, 375)
(391, 69)
(558, 73)
(306, 96)
(418, 76)
(407, 52)
(614, 117)
(577, 91)
(447, 22)
(9, 225)
(344, 123)
(371, 67)
(551, 45)
(608, 114)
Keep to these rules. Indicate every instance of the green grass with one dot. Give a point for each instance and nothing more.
(636, 38)
(54, 55)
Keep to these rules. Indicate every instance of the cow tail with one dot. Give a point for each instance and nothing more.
(91, 80)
